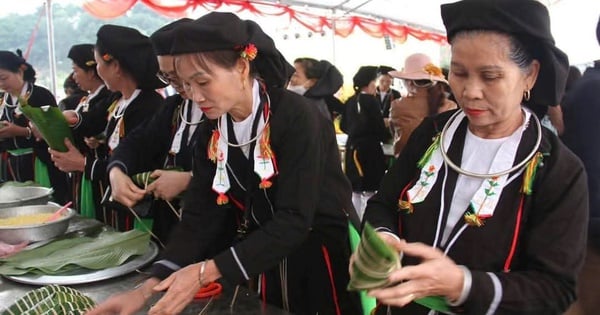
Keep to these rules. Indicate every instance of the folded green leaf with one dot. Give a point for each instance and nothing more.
(436, 303)
(144, 179)
(51, 123)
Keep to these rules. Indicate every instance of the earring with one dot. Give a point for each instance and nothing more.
(526, 95)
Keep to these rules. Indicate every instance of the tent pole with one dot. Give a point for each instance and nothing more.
(52, 60)
(333, 36)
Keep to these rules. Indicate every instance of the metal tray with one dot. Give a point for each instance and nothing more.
(82, 276)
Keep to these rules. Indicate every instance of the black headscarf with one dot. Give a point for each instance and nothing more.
(225, 31)
(83, 56)
(162, 39)
(329, 81)
(526, 20)
(133, 51)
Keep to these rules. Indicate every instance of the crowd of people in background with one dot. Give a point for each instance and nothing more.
(477, 171)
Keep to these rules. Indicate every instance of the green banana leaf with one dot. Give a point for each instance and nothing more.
(40, 173)
(368, 303)
(87, 206)
(53, 299)
(51, 123)
(108, 249)
(436, 303)
(143, 179)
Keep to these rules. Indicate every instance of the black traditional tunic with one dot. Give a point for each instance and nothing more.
(139, 110)
(92, 110)
(364, 161)
(147, 149)
(21, 167)
(297, 228)
(550, 234)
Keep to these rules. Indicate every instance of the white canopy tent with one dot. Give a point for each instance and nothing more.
(573, 21)
(573, 25)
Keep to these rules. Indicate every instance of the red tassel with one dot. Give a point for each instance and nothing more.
(222, 199)
(265, 183)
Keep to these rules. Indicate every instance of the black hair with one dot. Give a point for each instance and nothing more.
(15, 62)
(518, 52)
(311, 67)
(70, 83)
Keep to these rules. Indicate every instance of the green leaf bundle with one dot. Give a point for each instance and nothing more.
(51, 299)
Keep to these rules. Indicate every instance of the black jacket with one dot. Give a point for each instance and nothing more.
(550, 239)
(309, 194)
(581, 110)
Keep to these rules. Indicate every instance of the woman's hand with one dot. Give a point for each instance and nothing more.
(123, 189)
(127, 303)
(168, 184)
(435, 275)
(70, 161)
(181, 287)
(71, 117)
(36, 132)
(9, 130)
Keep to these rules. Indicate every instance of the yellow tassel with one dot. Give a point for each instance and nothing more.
(265, 145)
(530, 172)
(213, 146)
(406, 205)
(357, 164)
(112, 108)
(473, 220)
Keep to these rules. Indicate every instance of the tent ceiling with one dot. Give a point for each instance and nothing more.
(425, 15)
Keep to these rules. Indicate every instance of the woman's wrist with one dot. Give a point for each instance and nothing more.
(201, 278)
(28, 133)
(465, 288)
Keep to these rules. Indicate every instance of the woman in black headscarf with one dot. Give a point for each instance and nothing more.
(318, 81)
(87, 194)
(488, 208)
(127, 64)
(163, 146)
(362, 122)
(268, 196)
(17, 79)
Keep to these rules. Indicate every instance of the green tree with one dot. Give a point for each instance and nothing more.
(72, 25)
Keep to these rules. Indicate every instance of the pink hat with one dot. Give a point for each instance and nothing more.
(419, 67)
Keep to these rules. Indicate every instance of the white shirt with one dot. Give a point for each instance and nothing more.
(478, 154)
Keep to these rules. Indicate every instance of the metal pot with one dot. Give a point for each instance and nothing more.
(34, 232)
(14, 196)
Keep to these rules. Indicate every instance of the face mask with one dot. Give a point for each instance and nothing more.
(298, 89)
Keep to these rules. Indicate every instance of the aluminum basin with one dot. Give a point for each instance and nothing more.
(13, 196)
(35, 232)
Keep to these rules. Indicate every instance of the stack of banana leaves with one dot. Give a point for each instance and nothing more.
(52, 299)
(374, 261)
(107, 249)
(50, 122)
